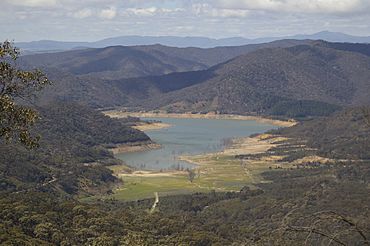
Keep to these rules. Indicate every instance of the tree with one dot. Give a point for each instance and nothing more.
(16, 88)
(191, 175)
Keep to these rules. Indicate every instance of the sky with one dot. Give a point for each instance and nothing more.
(91, 20)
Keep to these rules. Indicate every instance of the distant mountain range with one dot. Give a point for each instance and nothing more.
(117, 62)
(93, 76)
(200, 42)
(283, 78)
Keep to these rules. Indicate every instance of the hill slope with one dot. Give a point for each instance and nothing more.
(343, 135)
(113, 62)
(310, 79)
(118, 62)
(72, 152)
(296, 81)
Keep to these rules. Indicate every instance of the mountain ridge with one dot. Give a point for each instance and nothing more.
(274, 81)
(174, 41)
(300, 79)
(115, 62)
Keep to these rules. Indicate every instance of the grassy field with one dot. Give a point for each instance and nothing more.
(135, 188)
(222, 172)
(215, 172)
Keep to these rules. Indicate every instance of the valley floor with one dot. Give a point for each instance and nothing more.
(219, 171)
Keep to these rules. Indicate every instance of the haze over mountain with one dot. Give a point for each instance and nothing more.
(200, 42)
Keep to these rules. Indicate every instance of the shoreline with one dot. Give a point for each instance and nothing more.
(151, 126)
(150, 174)
(253, 146)
(136, 147)
(240, 146)
(121, 114)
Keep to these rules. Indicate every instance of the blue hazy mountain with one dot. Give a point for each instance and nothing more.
(200, 42)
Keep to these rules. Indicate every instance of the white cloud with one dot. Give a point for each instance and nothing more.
(83, 13)
(22, 15)
(151, 11)
(109, 13)
(184, 28)
(33, 3)
(207, 10)
(142, 11)
(300, 6)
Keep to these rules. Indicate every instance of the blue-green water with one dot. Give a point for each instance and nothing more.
(190, 137)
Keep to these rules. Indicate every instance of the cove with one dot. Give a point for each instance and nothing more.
(190, 137)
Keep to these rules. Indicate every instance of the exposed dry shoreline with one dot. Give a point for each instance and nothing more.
(252, 146)
(151, 126)
(136, 147)
(121, 114)
(146, 174)
(240, 146)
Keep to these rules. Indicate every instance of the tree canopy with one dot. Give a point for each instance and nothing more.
(17, 87)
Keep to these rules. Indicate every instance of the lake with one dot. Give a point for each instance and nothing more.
(190, 137)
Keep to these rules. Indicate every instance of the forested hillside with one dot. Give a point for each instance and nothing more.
(93, 76)
(114, 62)
(344, 135)
(299, 81)
(93, 92)
(119, 62)
(72, 153)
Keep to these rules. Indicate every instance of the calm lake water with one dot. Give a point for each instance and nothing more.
(189, 137)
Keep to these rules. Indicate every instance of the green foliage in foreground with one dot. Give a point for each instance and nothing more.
(16, 84)
(293, 209)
